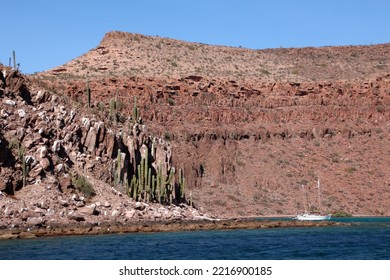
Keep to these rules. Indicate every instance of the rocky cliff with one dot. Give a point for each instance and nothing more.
(60, 163)
(248, 127)
(249, 147)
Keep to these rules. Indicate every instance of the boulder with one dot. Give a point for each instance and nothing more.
(8, 235)
(318, 132)
(101, 131)
(56, 146)
(3, 186)
(74, 215)
(63, 202)
(88, 210)
(45, 163)
(26, 235)
(59, 167)
(8, 211)
(65, 183)
(34, 221)
(72, 115)
(20, 132)
(115, 213)
(167, 216)
(86, 123)
(110, 144)
(54, 223)
(28, 143)
(41, 96)
(157, 216)
(90, 166)
(90, 140)
(43, 152)
(9, 102)
(140, 206)
(35, 171)
(43, 205)
(31, 214)
(80, 203)
(21, 113)
(129, 214)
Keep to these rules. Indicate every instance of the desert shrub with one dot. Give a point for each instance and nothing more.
(13, 144)
(171, 101)
(167, 136)
(84, 186)
(341, 213)
(351, 170)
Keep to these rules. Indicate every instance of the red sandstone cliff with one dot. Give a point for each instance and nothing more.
(250, 127)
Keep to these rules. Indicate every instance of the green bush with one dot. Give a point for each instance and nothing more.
(167, 136)
(84, 186)
(341, 214)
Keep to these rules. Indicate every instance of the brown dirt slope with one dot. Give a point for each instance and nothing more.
(125, 54)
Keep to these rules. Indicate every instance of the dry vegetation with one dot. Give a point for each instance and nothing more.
(125, 55)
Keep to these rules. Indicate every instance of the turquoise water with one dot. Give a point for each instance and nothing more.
(366, 238)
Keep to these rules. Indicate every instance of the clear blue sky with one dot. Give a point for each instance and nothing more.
(48, 33)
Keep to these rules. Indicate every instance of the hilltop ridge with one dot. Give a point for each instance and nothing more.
(127, 54)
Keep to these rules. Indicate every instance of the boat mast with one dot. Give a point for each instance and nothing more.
(305, 198)
(319, 194)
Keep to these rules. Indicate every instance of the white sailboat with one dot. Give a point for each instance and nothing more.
(311, 216)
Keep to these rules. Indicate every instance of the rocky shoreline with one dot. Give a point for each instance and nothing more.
(86, 228)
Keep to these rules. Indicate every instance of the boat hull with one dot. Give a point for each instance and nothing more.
(312, 217)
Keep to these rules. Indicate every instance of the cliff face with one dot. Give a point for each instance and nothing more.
(63, 164)
(248, 147)
(250, 127)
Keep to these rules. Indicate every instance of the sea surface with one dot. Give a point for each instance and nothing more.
(364, 239)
